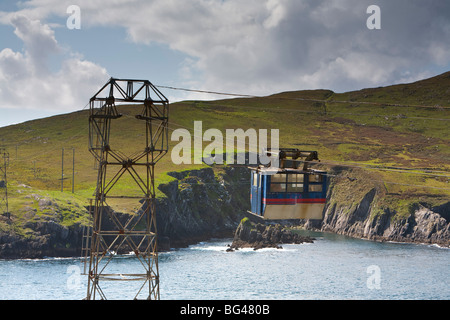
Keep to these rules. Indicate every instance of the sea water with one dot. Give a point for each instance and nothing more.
(333, 267)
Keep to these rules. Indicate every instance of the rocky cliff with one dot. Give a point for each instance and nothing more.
(45, 239)
(362, 208)
(202, 204)
(198, 205)
(208, 203)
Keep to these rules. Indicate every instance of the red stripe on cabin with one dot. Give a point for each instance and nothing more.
(279, 201)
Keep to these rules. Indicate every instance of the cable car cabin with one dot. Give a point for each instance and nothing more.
(288, 193)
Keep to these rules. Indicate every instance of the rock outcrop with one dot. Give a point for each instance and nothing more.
(201, 204)
(258, 236)
(353, 209)
(46, 239)
(198, 205)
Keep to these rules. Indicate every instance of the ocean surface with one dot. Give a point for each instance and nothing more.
(333, 267)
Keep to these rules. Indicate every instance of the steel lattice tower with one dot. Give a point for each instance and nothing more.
(110, 233)
(4, 162)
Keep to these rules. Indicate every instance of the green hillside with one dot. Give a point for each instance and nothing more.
(400, 134)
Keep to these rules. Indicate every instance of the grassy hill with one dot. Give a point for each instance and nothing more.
(399, 134)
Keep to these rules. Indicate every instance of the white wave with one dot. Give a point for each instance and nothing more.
(209, 247)
(439, 246)
(48, 259)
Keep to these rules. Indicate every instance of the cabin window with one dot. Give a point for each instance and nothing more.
(295, 183)
(315, 183)
(278, 178)
(278, 183)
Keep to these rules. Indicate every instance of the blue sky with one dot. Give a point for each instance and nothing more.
(256, 47)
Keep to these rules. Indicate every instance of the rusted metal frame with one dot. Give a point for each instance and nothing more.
(93, 261)
(94, 126)
(136, 177)
(126, 95)
(122, 231)
(99, 241)
(123, 277)
(154, 159)
(126, 237)
(151, 216)
(161, 97)
(98, 214)
(150, 247)
(121, 91)
(159, 109)
(108, 247)
(120, 158)
(145, 265)
(111, 108)
(158, 136)
(96, 289)
(136, 223)
(138, 180)
(105, 250)
(112, 182)
(116, 221)
(149, 212)
(147, 84)
(111, 256)
(130, 241)
(143, 285)
(106, 108)
(144, 85)
(102, 130)
(101, 181)
(138, 220)
(102, 256)
(137, 156)
(143, 257)
(150, 106)
(99, 289)
(99, 91)
(119, 174)
(152, 278)
(151, 238)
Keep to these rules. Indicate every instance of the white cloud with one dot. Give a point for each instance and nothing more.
(266, 46)
(38, 39)
(28, 83)
(277, 13)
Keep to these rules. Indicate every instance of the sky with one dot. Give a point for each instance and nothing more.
(54, 58)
